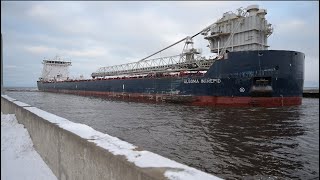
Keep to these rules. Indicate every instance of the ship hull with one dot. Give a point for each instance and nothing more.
(249, 78)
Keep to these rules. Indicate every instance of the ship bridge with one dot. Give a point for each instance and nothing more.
(55, 69)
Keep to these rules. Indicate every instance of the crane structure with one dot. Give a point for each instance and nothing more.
(242, 31)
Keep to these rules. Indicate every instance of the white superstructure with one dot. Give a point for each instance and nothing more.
(55, 69)
(244, 30)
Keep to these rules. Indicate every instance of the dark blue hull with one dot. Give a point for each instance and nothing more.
(248, 74)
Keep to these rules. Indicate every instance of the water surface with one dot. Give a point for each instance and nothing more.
(231, 143)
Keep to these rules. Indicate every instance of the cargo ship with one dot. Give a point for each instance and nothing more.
(241, 72)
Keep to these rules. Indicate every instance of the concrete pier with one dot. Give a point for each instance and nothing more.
(76, 151)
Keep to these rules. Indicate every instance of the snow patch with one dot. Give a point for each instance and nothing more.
(22, 104)
(47, 116)
(8, 98)
(19, 160)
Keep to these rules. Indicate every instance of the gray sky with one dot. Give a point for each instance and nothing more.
(103, 33)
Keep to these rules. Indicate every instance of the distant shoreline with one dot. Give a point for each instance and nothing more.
(310, 88)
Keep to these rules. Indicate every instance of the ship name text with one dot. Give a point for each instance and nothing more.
(201, 81)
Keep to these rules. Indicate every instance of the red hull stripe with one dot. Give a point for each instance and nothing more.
(193, 100)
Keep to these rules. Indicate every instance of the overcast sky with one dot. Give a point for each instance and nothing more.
(95, 34)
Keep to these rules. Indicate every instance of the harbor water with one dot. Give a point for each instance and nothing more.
(232, 143)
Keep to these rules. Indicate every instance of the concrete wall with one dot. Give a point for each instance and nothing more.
(76, 151)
